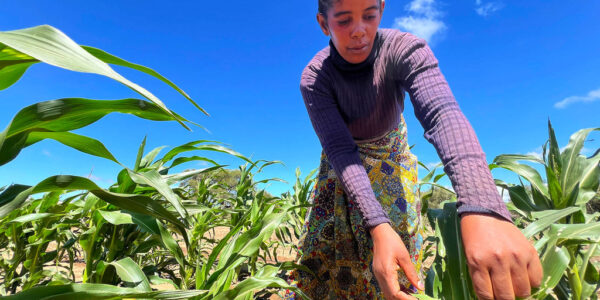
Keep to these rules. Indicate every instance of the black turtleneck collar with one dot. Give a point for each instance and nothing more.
(340, 63)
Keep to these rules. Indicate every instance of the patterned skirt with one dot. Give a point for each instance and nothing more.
(337, 246)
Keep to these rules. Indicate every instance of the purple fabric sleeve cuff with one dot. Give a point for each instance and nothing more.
(465, 208)
(370, 223)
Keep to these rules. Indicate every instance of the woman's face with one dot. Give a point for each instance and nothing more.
(352, 25)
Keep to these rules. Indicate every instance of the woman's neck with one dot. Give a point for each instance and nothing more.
(345, 66)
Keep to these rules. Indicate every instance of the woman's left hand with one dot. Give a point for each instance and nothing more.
(502, 262)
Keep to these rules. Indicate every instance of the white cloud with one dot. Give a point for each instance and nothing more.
(423, 20)
(590, 97)
(485, 9)
(47, 153)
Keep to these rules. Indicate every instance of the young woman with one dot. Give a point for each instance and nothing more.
(363, 236)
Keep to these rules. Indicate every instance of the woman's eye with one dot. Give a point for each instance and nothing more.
(371, 17)
(344, 22)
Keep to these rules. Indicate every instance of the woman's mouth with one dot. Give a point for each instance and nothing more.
(358, 49)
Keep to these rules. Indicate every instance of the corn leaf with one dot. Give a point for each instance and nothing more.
(549, 217)
(48, 44)
(97, 291)
(571, 160)
(131, 273)
(68, 114)
(113, 60)
(136, 203)
(554, 262)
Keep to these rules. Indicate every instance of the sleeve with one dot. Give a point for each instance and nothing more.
(339, 146)
(447, 129)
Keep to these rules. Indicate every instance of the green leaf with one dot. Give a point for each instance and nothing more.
(30, 217)
(245, 245)
(135, 203)
(249, 285)
(155, 180)
(570, 159)
(49, 45)
(140, 154)
(75, 141)
(554, 158)
(589, 273)
(171, 245)
(459, 282)
(517, 157)
(579, 232)
(554, 188)
(68, 114)
(519, 197)
(97, 291)
(9, 75)
(509, 162)
(554, 262)
(116, 217)
(589, 180)
(130, 272)
(548, 218)
(13, 65)
(9, 193)
(181, 160)
(111, 59)
(147, 160)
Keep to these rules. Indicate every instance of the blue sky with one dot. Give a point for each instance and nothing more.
(510, 64)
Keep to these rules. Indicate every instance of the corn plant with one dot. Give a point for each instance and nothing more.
(555, 215)
(112, 238)
(552, 213)
(119, 230)
(448, 276)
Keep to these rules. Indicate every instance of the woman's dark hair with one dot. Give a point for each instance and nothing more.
(324, 6)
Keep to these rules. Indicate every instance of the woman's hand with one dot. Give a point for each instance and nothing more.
(502, 262)
(390, 254)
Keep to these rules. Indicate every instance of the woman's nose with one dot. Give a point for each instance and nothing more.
(359, 31)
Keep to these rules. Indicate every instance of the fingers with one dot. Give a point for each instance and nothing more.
(482, 283)
(409, 270)
(520, 281)
(501, 282)
(535, 270)
(389, 283)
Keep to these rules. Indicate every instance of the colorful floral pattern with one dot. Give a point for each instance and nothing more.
(336, 245)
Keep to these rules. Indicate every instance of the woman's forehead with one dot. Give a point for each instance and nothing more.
(354, 4)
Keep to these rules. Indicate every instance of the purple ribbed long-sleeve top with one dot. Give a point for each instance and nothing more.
(349, 103)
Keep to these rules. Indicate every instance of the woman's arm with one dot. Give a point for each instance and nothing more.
(447, 128)
(502, 262)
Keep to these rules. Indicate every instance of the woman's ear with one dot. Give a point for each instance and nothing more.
(323, 23)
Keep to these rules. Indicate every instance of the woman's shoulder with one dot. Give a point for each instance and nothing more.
(396, 39)
(316, 67)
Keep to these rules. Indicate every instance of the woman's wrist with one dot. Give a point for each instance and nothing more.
(378, 232)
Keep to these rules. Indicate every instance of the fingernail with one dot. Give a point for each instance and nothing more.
(421, 287)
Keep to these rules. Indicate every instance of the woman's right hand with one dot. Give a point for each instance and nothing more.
(389, 255)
